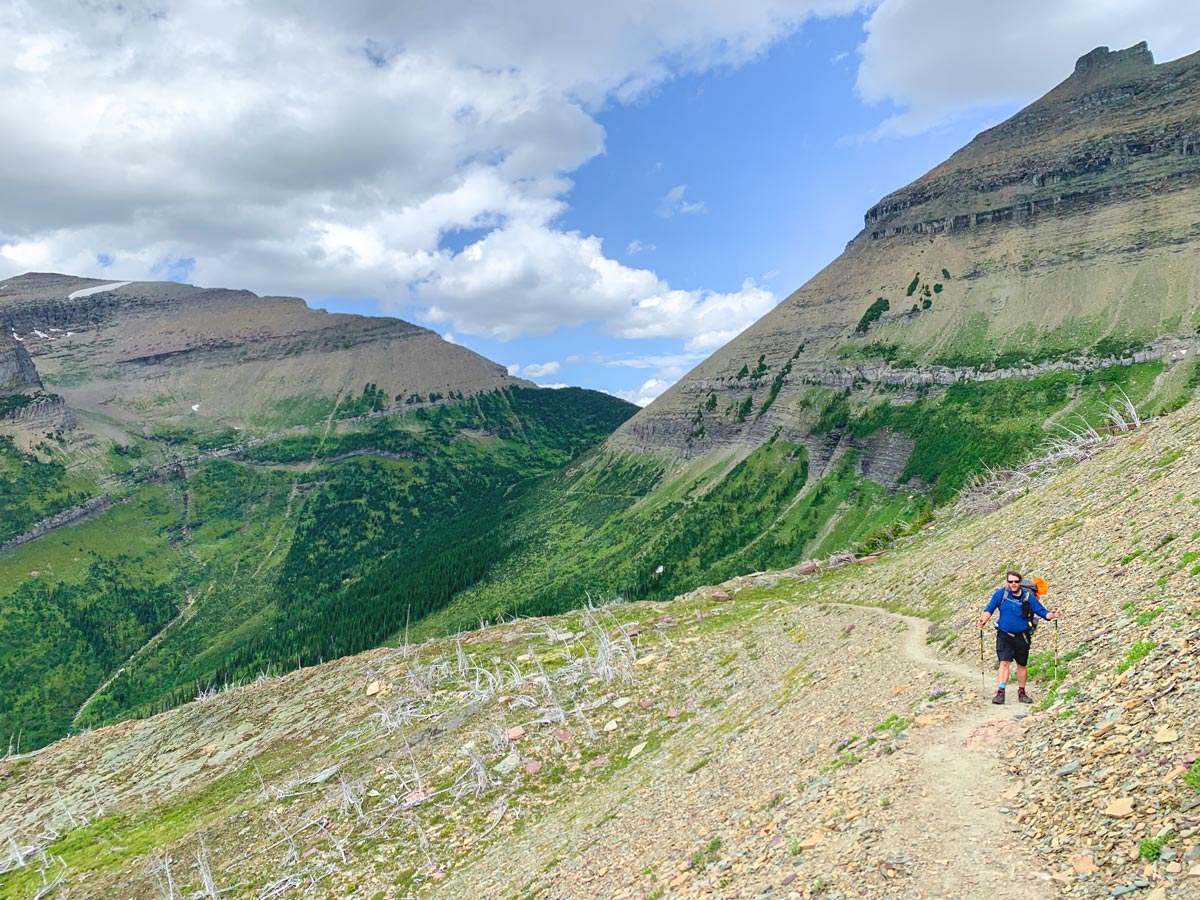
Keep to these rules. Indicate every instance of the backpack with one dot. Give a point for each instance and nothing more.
(1039, 588)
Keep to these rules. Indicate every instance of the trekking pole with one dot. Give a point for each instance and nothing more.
(1056, 650)
(982, 672)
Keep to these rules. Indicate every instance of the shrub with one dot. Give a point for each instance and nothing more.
(1151, 848)
(874, 311)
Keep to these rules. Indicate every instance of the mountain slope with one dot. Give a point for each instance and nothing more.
(199, 484)
(785, 734)
(1036, 282)
(1066, 237)
(153, 352)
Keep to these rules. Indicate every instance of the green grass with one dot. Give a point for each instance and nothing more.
(705, 857)
(113, 841)
(893, 723)
(281, 562)
(991, 424)
(1136, 654)
(1145, 617)
(1192, 777)
(98, 591)
(1151, 848)
(32, 489)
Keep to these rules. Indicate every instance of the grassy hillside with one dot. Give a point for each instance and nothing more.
(601, 529)
(790, 733)
(331, 539)
(305, 547)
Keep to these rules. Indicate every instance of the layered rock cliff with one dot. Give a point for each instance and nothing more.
(1065, 237)
(154, 351)
(17, 371)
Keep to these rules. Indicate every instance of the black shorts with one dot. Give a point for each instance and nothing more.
(1010, 647)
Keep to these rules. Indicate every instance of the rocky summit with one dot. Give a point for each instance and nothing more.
(1065, 238)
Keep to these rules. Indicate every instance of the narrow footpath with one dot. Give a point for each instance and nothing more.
(949, 818)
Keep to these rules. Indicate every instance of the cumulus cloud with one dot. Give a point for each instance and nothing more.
(328, 150)
(665, 361)
(540, 370)
(704, 318)
(635, 247)
(673, 203)
(524, 279)
(647, 393)
(935, 59)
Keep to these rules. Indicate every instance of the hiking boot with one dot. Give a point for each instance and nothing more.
(1023, 697)
(999, 698)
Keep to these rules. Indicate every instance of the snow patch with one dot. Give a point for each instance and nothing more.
(87, 292)
(40, 334)
(195, 407)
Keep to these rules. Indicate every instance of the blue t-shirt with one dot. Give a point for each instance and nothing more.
(1010, 618)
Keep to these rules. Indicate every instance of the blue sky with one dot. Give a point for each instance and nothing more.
(596, 195)
(773, 151)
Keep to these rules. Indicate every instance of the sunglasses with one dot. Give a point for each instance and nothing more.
(1012, 581)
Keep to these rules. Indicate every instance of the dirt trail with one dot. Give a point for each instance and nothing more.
(920, 822)
(949, 819)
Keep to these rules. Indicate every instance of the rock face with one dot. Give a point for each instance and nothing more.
(1064, 237)
(17, 371)
(163, 351)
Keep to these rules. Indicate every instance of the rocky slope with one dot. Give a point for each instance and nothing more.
(1066, 237)
(792, 734)
(147, 353)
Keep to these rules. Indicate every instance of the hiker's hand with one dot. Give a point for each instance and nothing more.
(1054, 614)
(983, 620)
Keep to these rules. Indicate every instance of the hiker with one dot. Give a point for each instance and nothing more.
(1018, 604)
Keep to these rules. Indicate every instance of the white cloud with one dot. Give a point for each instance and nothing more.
(647, 393)
(540, 370)
(326, 149)
(663, 362)
(705, 319)
(938, 58)
(526, 279)
(635, 247)
(513, 369)
(449, 338)
(673, 203)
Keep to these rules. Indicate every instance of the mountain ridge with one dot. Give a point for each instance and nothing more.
(1039, 250)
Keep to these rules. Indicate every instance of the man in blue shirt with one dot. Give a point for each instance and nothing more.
(1014, 631)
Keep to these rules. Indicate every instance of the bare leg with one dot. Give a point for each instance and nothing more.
(1021, 675)
(1004, 672)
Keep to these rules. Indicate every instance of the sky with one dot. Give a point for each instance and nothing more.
(589, 194)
